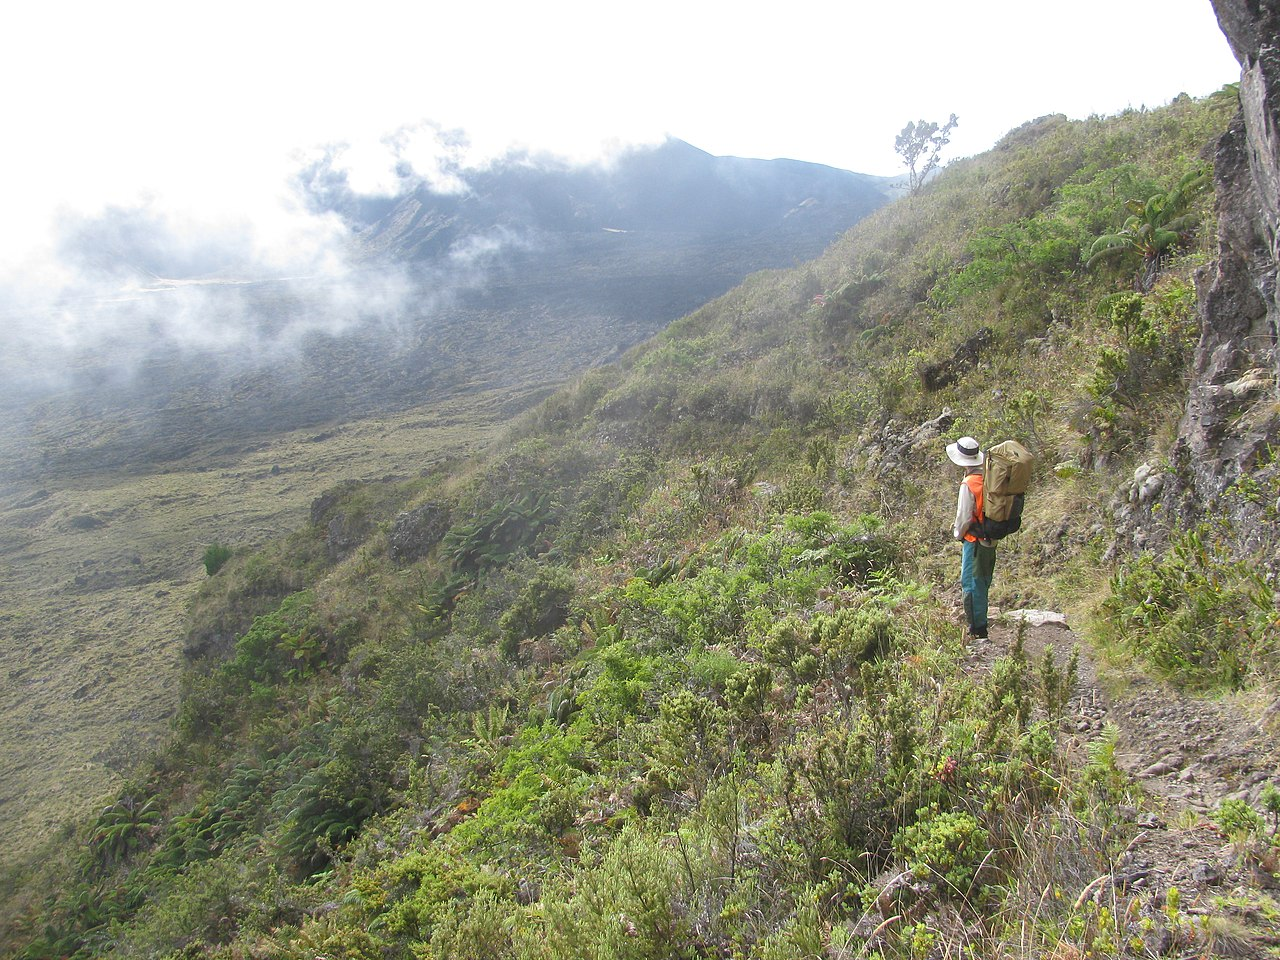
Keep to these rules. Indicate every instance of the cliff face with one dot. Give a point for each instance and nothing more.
(1231, 411)
(1252, 27)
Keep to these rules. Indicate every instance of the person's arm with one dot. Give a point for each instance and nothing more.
(964, 511)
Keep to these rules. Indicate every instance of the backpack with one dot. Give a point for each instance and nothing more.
(1005, 476)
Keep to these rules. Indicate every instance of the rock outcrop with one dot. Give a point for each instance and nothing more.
(416, 531)
(1232, 410)
(1252, 27)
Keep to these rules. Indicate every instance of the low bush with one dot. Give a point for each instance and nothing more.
(215, 557)
(947, 847)
(1201, 617)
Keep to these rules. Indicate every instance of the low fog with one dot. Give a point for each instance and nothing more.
(106, 288)
(374, 280)
(165, 321)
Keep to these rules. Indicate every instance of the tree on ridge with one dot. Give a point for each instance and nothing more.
(923, 139)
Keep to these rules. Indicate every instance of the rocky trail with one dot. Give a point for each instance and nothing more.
(1185, 755)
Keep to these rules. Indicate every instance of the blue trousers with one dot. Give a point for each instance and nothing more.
(977, 569)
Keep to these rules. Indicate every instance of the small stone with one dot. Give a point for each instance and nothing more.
(1132, 878)
(1150, 488)
(866, 926)
(1157, 940)
(416, 531)
(1264, 877)
(1037, 618)
(894, 893)
(1206, 873)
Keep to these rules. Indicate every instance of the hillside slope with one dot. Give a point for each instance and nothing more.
(676, 669)
(226, 403)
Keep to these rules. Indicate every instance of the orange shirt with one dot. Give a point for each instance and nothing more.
(972, 485)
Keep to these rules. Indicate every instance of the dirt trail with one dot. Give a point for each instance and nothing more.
(1186, 755)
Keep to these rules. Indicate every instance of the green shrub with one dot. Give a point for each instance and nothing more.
(840, 786)
(199, 908)
(215, 556)
(123, 827)
(1270, 800)
(235, 809)
(1152, 341)
(1101, 781)
(283, 645)
(631, 906)
(540, 607)
(541, 785)
(688, 745)
(616, 692)
(1202, 617)
(710, 670)
(851, 637)
(479, 928)
(1237, 818)
(946, 846)
(326, 936)
(341, 781)
(854, 551)
(431, 894)
(498, 533)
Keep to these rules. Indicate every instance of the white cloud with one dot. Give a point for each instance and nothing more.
(370, 168)
(198, 115)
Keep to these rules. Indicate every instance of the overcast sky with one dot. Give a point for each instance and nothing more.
(198, 112)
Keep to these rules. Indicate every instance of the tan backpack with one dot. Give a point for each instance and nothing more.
(1005, 476)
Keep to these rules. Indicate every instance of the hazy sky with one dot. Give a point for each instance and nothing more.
(196, 113)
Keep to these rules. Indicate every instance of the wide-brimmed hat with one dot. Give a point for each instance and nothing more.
(965, 452)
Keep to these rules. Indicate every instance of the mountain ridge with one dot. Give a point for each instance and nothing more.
(675, 188)
(474, 280)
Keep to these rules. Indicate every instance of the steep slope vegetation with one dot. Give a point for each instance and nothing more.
(214, 406)
(675, 670)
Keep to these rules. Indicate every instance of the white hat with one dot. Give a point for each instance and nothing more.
(965, 452)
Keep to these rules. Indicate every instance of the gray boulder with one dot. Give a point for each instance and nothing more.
(416, 531)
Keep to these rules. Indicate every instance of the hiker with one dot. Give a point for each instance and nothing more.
(978, 557)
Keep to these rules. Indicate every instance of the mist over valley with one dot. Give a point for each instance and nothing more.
(517, 274)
